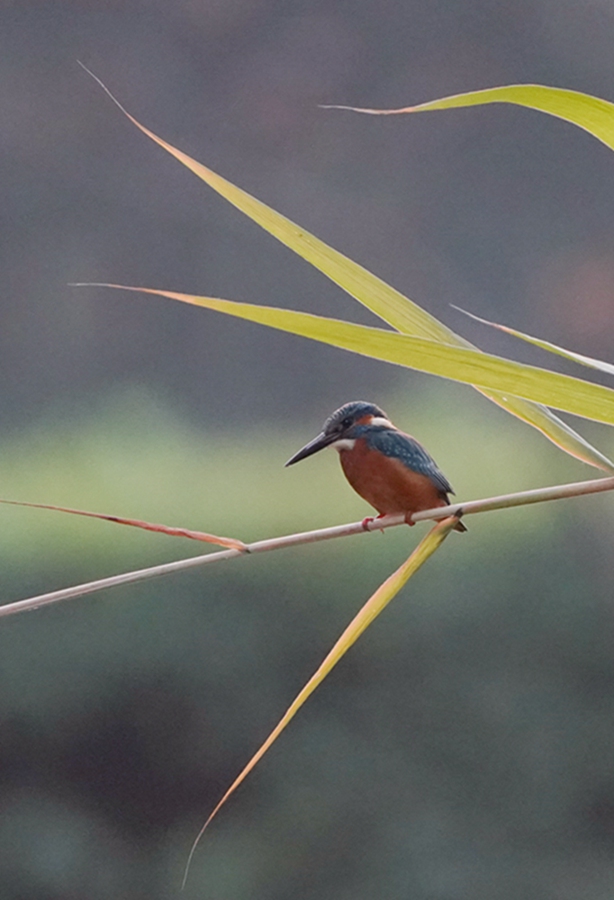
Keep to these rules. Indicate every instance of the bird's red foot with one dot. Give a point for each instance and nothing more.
(367, 521)
(408, 519)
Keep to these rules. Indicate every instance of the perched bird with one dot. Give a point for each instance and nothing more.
(390, 469)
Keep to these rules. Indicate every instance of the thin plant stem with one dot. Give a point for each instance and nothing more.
(470, 507)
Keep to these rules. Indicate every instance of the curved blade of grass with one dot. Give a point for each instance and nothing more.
(371, 609)
(138, 523)
(558, 432)
(582, 398)
(382, 299)
(590, 113)
(545, 345)
(386, 302)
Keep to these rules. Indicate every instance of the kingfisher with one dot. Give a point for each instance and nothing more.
(387, 467)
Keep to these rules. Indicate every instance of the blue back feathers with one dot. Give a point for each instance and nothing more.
(405, 448)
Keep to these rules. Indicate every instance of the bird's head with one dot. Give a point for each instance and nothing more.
(343, 427)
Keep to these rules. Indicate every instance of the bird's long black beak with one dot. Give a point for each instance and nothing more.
(318, 443)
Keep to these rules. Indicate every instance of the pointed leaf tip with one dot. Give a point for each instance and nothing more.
(588, 361)
(371, 609)
(170, 530)
(591, 114)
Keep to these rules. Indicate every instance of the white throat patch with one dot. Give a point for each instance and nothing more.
(344, 444)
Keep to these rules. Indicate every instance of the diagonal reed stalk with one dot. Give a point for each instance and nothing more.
(505, 501)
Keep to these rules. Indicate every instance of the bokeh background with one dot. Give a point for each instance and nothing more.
(463, 750)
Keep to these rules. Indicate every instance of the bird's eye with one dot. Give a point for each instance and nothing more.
(346, 422)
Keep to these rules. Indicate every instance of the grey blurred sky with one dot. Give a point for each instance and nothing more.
(499, 210)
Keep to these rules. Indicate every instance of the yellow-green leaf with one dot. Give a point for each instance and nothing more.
(590, 113)
(560, 433)
(382, 299)
(371, 609)
(589, 361)
(582, 398)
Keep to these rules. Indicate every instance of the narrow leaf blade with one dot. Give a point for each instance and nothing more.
(554, 429)
(138, 523)
(371, 609)
(582, 398)
(590, 113)
(589, 361)
(382, 299)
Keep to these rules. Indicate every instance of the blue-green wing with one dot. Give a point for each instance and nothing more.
(412, 454)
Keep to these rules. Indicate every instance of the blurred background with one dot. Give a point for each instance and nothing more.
(463, 749)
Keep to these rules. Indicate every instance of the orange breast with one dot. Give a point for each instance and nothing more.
(386, 483)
